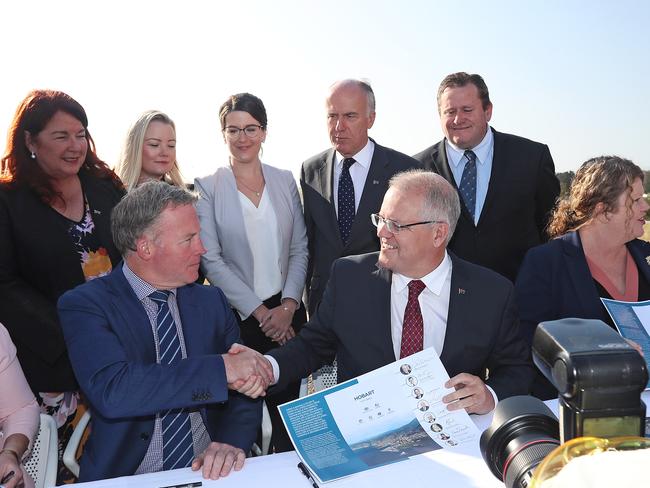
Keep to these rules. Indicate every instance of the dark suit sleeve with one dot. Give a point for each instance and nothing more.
(118, 385)
(547, 191)
(316, 343)
(509, 365)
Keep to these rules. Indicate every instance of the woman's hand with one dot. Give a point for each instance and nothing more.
(277, 323)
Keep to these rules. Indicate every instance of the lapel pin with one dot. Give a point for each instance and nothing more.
(97, 212)
(376, 182)
(461, 291)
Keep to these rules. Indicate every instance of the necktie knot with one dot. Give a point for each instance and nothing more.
(160, 296)
(415, 288)
(471, 157)
(347, 162)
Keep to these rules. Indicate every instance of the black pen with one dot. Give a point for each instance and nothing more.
(9, 475)
(193, 484)
(303, 469)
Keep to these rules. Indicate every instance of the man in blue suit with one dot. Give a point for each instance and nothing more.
(149, 349)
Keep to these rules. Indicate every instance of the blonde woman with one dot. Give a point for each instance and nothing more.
(149, 152)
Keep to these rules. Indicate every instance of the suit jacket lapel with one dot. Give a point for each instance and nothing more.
(190, 313)
(135, 322)
(379, 293)
(459, 313)
(373, 190)
(640, 258)
(579, 274)
(326, 178)
(497, 173)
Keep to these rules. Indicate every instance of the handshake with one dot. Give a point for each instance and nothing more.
(247, 371)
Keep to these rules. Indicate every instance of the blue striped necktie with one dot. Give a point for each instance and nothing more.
(178, 449)
(467, 187)
(345, 199)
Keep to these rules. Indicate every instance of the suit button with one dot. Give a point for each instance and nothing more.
(144, 436)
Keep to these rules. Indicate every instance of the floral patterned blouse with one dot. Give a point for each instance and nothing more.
(93, 257)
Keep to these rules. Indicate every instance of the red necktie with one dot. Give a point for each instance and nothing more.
(413, 326)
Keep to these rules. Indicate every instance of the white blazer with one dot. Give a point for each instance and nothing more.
(228, 262)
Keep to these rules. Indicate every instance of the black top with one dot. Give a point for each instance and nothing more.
(38, 263)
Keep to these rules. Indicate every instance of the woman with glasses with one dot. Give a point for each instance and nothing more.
(149, 152)
(253, 229)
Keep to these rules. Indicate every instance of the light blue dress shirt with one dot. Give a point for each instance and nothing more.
(484, 153)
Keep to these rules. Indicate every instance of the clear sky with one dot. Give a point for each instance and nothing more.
(572, 74)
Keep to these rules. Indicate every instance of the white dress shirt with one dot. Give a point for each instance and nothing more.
(484, 154)
(358, 173)
(434, 304)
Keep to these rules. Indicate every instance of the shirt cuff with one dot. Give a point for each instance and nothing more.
(276, 368)
(494, 395)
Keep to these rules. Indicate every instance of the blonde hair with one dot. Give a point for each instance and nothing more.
(129, 166)
(600, 180)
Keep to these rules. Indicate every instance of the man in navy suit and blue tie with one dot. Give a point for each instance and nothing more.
(149, 349)
(342, 186)
(507, 184)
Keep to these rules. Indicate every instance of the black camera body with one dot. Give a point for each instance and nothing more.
(599, 377)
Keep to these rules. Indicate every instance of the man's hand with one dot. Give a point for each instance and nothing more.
(471, 394)
(218, 460)
(247, 371)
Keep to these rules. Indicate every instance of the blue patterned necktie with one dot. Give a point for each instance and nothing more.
(467, 188)
(345, 199)
(178, 449)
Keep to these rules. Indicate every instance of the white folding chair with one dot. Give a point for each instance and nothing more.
(70, 452)
(42, 462)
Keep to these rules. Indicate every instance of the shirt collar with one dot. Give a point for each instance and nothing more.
(363, 157)
(434, 281)
(482, 150)
(141, 288)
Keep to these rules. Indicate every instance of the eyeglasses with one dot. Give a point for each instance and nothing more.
(393, 227)
(252, 131)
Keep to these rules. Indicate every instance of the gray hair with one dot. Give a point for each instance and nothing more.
(440, 199)
(364, 85)
(138, 212)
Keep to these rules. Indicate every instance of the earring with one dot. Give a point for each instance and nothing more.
(33, 155)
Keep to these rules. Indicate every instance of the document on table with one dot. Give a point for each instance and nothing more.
(632, 319)
(379, 418)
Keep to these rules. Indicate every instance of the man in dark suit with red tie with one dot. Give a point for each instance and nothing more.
(411, 295)
(342, 186)
(507, 183)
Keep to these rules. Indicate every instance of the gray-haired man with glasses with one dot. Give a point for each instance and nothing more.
(411, 295)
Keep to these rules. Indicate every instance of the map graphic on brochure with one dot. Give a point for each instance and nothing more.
(632, 319)
(381, 417)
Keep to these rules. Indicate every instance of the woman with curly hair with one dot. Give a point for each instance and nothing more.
(595, 252)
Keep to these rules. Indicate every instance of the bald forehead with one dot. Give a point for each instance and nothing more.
(346, 89)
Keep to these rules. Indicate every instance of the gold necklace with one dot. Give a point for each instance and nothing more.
(257, 193)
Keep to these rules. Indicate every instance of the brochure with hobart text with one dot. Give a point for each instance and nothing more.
(381, 417)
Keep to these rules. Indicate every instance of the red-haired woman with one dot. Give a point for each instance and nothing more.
(56, 198)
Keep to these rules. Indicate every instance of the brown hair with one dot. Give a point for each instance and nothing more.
(460, 79)
(32, 115)
(599, 180)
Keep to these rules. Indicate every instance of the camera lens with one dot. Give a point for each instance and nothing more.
(523, 431)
